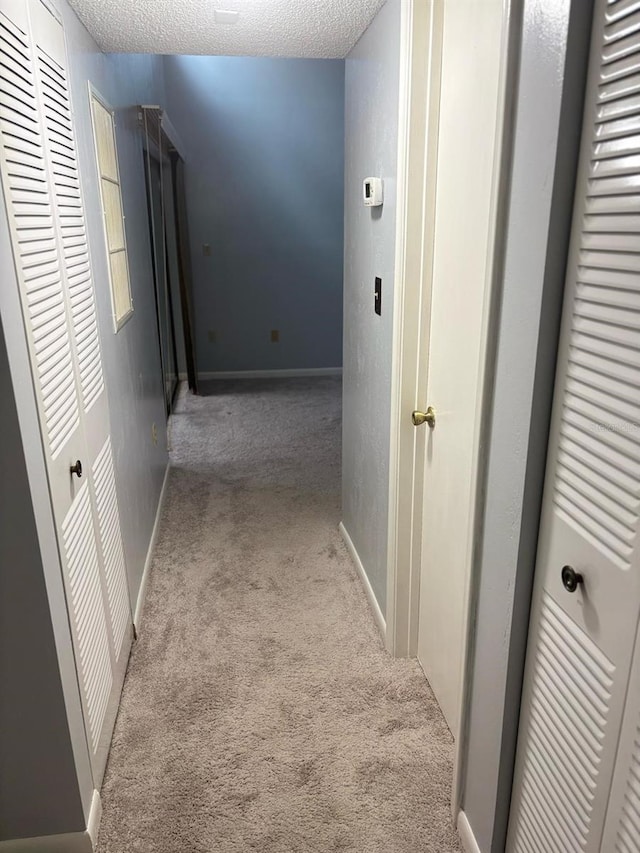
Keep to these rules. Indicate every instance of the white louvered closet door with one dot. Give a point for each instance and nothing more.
(46, 217)
(581, 642)
(622, 827)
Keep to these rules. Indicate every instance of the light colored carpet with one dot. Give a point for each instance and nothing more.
(260, 711)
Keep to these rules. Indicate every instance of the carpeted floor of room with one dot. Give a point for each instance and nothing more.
(260, 711)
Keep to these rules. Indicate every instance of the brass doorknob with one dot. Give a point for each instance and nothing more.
(428, 417)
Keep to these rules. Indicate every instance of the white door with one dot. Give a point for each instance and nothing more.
(468, 139)
(45, 212)
(622, 825)
(582, 634)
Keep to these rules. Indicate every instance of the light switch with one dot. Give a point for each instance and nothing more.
(377, 296)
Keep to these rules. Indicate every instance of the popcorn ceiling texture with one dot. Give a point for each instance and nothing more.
(316, 29)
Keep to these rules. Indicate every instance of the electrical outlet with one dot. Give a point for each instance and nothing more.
(211, 334)
(275, 336)
(154, 434)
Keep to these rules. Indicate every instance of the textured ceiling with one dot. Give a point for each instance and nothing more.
(295, 28)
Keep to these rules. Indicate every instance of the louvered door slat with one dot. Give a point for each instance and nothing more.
(622, 828)
(13, 55)
(111, 543)
(612, 310)
(87, 611)
(42, 191)
(12, 107)
(569, 673)
(60, 138)
(30, 207)
(580, 644)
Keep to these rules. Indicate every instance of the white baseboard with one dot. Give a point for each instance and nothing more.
(469, 843)
(271, 374)
(68, 842)
(373, 601)
(95, 816)
(152, 545)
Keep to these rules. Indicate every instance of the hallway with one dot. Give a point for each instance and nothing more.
(260, 711)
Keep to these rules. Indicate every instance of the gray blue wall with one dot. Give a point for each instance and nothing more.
(371, 133)
(264, 142)
(131, 357)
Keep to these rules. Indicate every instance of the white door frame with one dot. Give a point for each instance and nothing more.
(419, 101)
(420, 62)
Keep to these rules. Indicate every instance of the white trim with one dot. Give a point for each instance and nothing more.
(467, 838)
(271, 374)
(490, 314)
(371, 596)
(94, 95)
(166, 125)
(118, 324)
(172, 134)
(420, 68)
(397, 521)
(53, 9)
(95, 816)
(150, 551)
(68, 842)
(419, 101)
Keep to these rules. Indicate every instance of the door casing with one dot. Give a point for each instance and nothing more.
(420, 59)
(155, 169)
